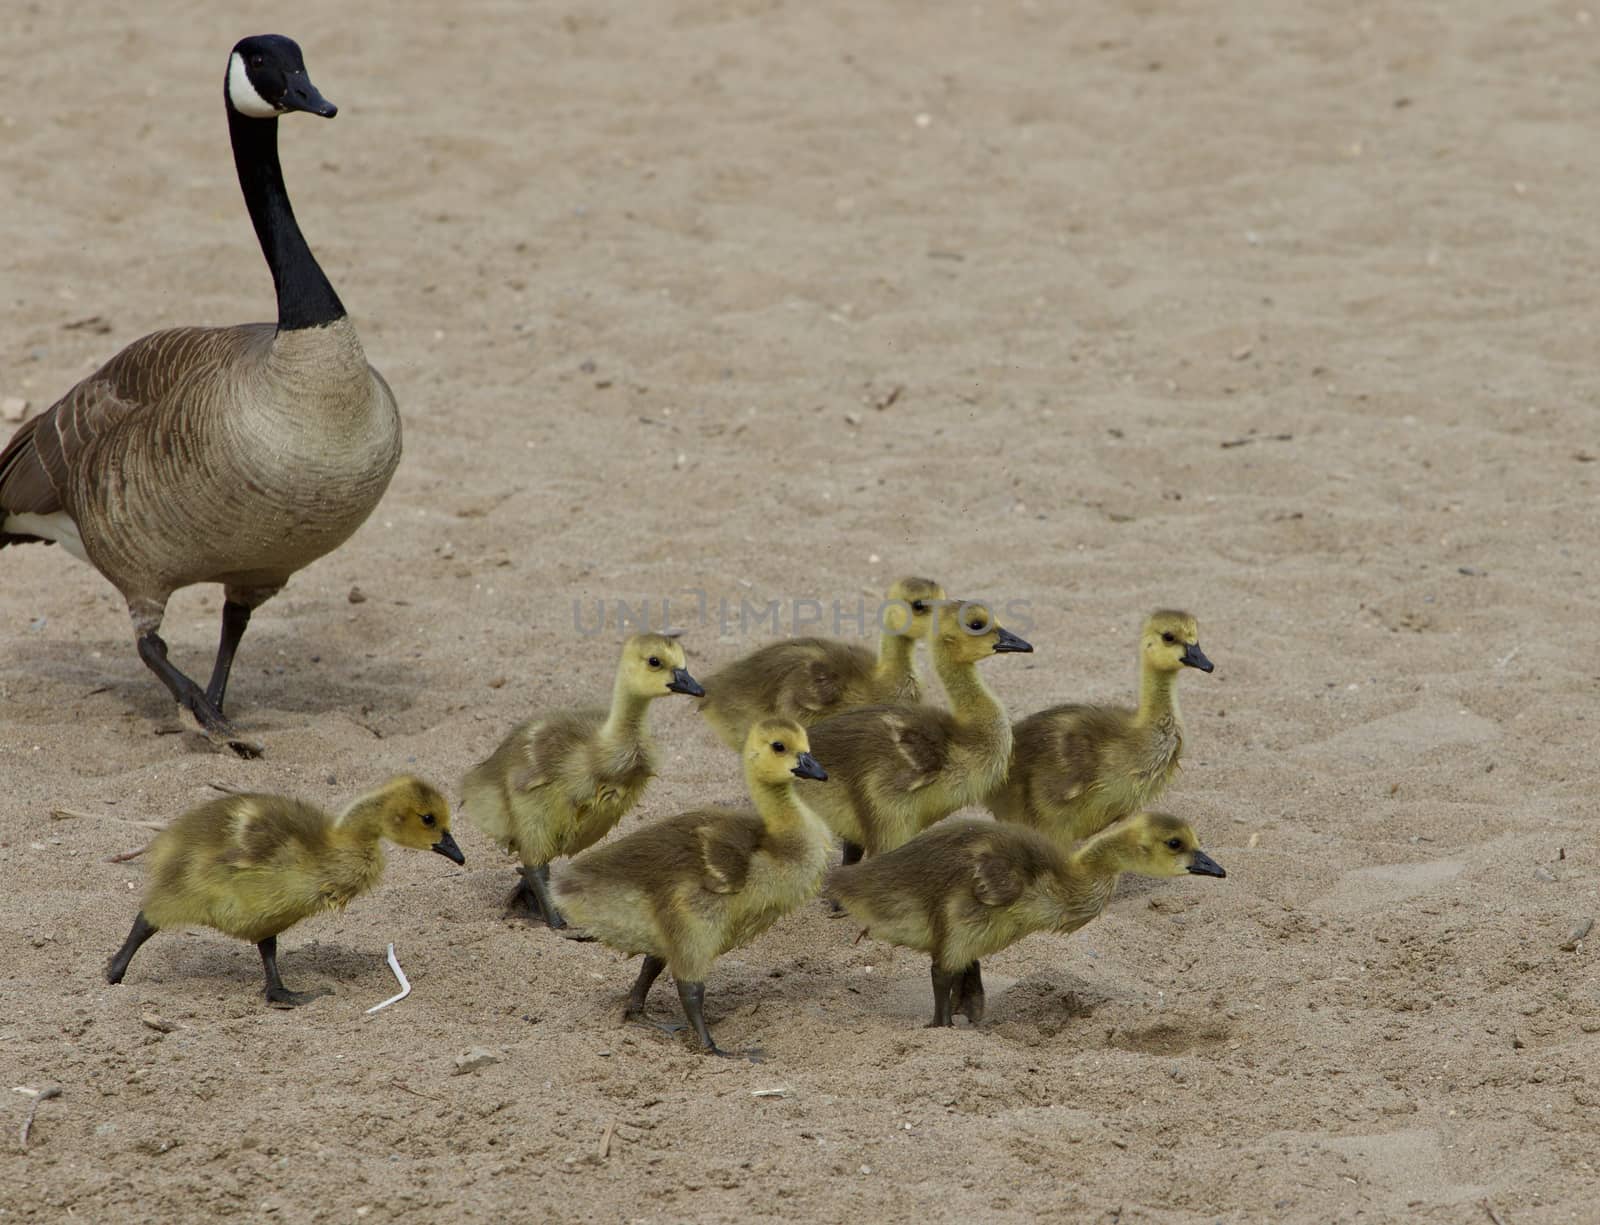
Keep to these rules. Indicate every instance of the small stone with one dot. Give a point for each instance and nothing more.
(160, 1024)
(478, 1057)
(1517, 1043)
(13, 408)
(1544, 874)
(1576, 935)
(357, 596)
(1471, 571)
(866, 1169)
(852, 418)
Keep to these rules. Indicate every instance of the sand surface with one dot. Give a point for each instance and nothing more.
(1281, 313)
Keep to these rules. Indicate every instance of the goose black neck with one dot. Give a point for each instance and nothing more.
(305, 298)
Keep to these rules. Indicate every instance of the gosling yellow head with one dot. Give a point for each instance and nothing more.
(777, 751)
(1159, 844)
(654, 665)
(966, 631)
(412, 814)
(910, 606)
(1171, 640)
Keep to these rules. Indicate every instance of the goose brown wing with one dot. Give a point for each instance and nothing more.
(727, 844)
(45, 457)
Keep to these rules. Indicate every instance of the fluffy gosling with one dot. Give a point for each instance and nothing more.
(252, 866)
(969, 888)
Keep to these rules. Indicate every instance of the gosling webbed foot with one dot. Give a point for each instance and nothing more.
(278, 995)
(281, 997)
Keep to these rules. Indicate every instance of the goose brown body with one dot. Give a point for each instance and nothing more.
(686, 889)
(969, 888)
(808, 679)
(1075, 769)
(253, 865)
(209, 455)
(897, 768)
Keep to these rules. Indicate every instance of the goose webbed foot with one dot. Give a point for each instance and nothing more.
(692, 996)
(536, 881)
(278, 995)
(189, 696)
(118, 965)
(969, 994)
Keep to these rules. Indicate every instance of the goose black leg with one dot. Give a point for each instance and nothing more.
(118, 965)
(538, 879)
(153, 650)
(235, 617)
(969, 994)
(277, 993)
(648, 973)
(692, 996)
(943, 985)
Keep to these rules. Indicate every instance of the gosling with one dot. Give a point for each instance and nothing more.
(970, 888)
(252, 866)
(807, 679)
(901, 767)
(687, 889)
(1076, 769)
(559, 784)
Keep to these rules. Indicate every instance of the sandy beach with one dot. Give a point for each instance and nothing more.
(1282, 315)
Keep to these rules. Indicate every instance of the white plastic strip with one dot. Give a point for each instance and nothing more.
(399, 977)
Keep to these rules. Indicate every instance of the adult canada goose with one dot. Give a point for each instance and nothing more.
(807, 679)
(1076, 769)
(686, 889)
(899, 768)
(231, 455)
(966, 889)
(252, 866)
(560, 783)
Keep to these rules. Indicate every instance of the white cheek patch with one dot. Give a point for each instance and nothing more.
(243, 94)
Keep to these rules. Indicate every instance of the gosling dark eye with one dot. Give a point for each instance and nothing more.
(428, 818)
(919, 606)
(1167, 637)
(1175, 844)
(777, 746)
(654, 661)
(975, 625)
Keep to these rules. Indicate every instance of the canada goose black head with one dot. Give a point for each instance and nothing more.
(267, 78)
(968, 630)
(1171, 640)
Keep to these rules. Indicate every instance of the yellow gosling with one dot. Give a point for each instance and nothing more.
(967, 889)
(560, 783)
(1076, 769)
(687, 889)
(252, 866)
(807, 679)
